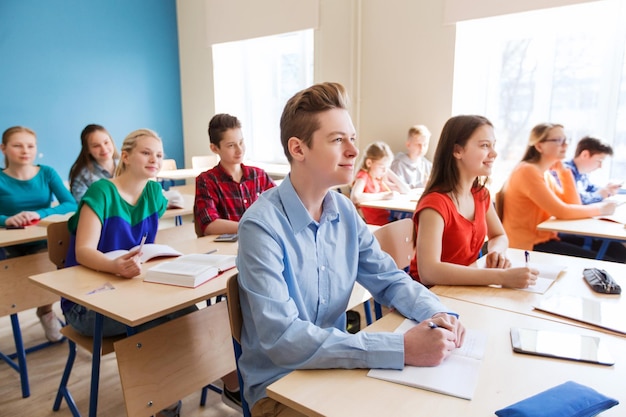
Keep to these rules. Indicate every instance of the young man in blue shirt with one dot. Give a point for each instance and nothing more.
(303, 246)
(589, 156)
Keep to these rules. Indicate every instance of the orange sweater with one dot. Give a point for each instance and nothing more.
(531, 197)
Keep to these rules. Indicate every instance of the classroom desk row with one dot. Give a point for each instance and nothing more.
(133, 301)
(505, 377)
(606, 228)
(276, 171)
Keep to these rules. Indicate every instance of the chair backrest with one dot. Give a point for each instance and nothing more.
(16, 292)
(204, 161)
(396, 238)
(58, 243)
(499, 204)
(236, 321)
(234, 307)
(161, 365)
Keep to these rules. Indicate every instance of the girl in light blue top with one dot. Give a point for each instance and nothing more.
(26, 192)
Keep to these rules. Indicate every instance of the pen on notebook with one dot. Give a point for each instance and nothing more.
(527, 257)
(143, 240)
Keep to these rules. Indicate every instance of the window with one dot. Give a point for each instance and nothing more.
(563, 65)
(254, 79)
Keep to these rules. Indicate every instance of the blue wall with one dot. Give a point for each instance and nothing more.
(67, 63)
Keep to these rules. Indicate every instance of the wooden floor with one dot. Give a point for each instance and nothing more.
(46, 366)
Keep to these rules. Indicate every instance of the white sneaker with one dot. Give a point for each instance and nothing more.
(51, 326)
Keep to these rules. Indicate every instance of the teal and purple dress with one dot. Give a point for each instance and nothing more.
(123, 224)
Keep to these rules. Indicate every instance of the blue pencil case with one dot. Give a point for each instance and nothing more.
(569, 399)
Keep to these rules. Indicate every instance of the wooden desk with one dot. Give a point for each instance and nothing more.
(569, 282)
(179, 174)
(505, 377)
(179, 212)
(9, 237)
(273, 170)
(594, 227)
(405, 203)
(131, 301)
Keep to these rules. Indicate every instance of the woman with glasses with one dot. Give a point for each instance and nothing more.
(532, 195)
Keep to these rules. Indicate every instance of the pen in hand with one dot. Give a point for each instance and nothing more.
(143, 240)
(432, 325)
(527, 257)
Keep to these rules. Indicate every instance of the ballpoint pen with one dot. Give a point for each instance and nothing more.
(143, 240)
(527, 257)
(432, 325)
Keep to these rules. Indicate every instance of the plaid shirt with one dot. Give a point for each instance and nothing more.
(218, 196)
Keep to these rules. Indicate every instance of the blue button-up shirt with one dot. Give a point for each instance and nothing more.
(589, 193)
(296, 276)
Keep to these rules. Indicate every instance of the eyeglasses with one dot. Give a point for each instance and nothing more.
(559, 141)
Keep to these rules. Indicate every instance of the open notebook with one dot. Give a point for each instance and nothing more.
(548, 273)
(445, 378)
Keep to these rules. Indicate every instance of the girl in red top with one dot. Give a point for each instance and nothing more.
(375, 181)
(455, 213)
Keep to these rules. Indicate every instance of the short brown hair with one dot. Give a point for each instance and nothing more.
(299, 118)
(593, 146)
(219, 124)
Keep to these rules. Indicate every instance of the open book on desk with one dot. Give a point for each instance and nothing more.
(456, 376)
(190, 270)
(149, 251)
(548, 273)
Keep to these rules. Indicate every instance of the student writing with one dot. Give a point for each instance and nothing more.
(303, 246)
(455, 214)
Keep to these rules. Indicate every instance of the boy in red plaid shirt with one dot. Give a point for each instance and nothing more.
(224, 192)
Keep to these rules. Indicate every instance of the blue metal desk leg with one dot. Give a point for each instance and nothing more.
(95, 365)
(21, 355)
(603, 248)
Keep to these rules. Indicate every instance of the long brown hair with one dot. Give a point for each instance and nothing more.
(444, 176)
(84, 159)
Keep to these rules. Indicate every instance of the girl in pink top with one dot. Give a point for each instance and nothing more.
(532, 195)
(455, 213)
(375, 181)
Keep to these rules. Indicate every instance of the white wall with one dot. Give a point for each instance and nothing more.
(395, 57)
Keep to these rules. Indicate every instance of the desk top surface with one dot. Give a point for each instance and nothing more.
(569, 282)
(33, 233)
(133, 301)
(593, 227)
(406, 203)
(187, 208)
(272, 169)
(505, 377)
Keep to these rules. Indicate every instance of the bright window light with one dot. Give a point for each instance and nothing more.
(254, 79)
(563, 65)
